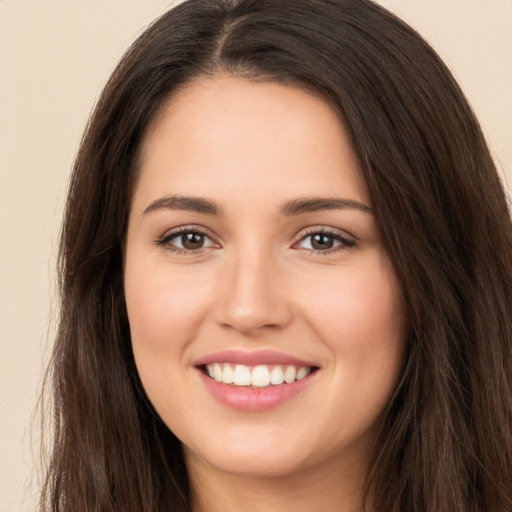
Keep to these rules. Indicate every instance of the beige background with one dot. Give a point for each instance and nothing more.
(55, 56)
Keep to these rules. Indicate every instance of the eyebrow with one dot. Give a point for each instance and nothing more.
(190, 204)
(290, 208)
(315, 204)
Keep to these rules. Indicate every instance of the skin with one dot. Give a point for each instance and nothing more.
(258, 283)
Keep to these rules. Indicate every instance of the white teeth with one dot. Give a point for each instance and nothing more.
(227, 374)
(289, 374)
(260, 376)
(217, 372)
(303, 372)
(276, 376)
(242, 376)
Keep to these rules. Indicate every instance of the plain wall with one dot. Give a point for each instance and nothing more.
(55, 56)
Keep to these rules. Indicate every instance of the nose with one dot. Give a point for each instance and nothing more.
(253, 297)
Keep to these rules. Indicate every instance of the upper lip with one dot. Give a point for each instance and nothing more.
(252, 358)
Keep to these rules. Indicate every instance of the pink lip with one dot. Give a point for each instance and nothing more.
(254, 400)
(251, 358)
(251, 399)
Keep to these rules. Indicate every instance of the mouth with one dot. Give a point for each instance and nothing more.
(258, 376)
(255, 381)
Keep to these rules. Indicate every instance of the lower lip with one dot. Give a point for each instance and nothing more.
(254, 399)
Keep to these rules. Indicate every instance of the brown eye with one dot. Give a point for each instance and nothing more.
(321, 242)
(192, 241)
(186, 240)
(324, 242)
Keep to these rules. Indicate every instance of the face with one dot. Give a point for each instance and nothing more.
(266, 317)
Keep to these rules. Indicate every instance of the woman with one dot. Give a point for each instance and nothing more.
(286, 275)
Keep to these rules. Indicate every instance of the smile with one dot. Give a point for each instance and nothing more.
(255, 381)
(260, 376)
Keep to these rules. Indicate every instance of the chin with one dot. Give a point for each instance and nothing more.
(261, 459)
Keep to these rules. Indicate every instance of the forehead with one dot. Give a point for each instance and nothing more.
(233, 135)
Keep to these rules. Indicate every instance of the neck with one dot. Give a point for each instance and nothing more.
(317, 488)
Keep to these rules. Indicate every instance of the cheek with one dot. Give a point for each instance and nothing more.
(166, 308)
(359, 316)
(165, 311)
(163, 306)
(359, 306)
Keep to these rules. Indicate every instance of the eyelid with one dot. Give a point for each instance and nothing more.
(167, 236)
(346, 239)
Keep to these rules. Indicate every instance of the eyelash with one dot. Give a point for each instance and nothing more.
(344, 243)
(165, 239)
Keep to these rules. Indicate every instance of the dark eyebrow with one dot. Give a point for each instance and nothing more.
(308, 205)
(191, 204)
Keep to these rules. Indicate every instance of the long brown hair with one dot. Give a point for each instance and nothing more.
(446, 442)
